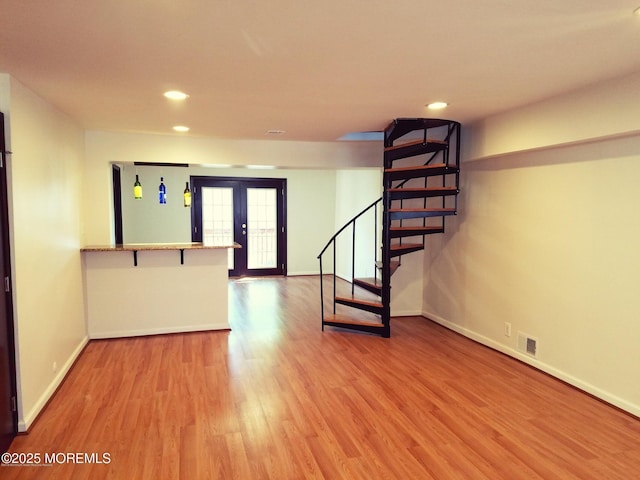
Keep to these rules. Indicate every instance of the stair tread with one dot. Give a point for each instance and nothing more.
(393, 265)
(422, 209)
(360, 301)
(402, 246)
(417, 227)
(415, 142)
(427, 189)
(373, 281)
(437, 166)
(347, 320)
(401, 126)
(412, 149)
(370, 284)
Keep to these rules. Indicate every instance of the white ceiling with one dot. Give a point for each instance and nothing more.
(316, 69)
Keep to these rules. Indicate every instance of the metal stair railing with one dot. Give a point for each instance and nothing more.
(452, 131)
(332, 242)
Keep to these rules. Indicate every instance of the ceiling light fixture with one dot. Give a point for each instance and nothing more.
(216, 165)
(261, 167)
(437, 105)
(636, 12)
(181, 128)
(176, 95)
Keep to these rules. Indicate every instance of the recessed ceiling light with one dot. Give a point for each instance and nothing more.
(261, 167)
(437, 105)
(181, 128)
(216, 165)
(175, 95)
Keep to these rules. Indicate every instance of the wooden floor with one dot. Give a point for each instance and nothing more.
(276, 398)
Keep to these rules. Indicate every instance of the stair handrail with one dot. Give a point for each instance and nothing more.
(346, 225)
(332, 241)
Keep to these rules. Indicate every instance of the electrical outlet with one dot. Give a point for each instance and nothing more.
(507, 329)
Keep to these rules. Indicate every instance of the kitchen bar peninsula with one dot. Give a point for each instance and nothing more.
(148, 289)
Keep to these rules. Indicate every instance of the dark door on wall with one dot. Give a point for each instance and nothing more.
(117, 203)
(8, 411)
(248, 211)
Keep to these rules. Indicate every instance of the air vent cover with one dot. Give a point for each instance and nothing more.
(527, 344)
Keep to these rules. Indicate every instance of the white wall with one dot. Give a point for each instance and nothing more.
(355, 190)
(609, 109)
(46, 175)
(546, 239)
(311, 197)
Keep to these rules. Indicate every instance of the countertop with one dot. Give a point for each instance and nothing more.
(139, 247)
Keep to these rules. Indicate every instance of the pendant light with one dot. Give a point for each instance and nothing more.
(137, 189)
(162, 192)
(187, 196)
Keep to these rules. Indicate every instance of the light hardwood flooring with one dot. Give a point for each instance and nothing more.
(277, 398)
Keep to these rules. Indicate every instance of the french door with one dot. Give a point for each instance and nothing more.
(248, 211)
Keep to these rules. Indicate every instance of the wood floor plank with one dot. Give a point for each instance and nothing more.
(277, 398)
(301, 452)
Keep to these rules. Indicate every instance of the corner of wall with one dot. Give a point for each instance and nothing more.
(26, 419)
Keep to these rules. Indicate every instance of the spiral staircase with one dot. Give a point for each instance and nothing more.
(420, 189)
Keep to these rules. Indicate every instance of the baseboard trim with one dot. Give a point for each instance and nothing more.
(405, 313)
(159, 331)
(25, 422)
(590, 389)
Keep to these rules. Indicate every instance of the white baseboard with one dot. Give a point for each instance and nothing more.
(159, 331)
(25, 421)
(406, 313)
(551, 370)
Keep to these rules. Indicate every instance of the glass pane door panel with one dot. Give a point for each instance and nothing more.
(262, 228)
(217, 218)
(250, 212)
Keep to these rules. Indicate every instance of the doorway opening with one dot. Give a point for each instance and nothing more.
(247, 211)
(8, 389)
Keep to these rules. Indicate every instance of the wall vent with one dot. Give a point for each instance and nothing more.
(527, 344)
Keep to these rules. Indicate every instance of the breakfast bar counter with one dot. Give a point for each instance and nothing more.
(148, 289)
